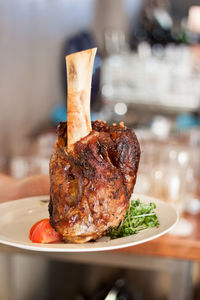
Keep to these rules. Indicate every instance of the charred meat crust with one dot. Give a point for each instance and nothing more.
(91, 186)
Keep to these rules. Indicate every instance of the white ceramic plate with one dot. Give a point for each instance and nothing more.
(17, 217)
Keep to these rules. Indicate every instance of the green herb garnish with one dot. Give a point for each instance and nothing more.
(138, 217)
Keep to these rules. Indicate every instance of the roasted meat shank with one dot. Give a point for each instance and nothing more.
(93, 167)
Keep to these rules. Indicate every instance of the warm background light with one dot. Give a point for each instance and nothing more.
(194, 19)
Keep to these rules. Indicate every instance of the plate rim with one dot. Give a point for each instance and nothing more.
(47, 247)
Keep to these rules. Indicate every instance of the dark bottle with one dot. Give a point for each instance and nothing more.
(156, 25)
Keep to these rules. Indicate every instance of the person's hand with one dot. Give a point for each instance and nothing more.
(11, 188)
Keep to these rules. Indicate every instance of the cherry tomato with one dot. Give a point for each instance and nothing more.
(43, 232)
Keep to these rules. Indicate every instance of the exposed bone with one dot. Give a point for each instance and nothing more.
(79, 76)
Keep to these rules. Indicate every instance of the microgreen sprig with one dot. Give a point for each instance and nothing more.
(139, 216)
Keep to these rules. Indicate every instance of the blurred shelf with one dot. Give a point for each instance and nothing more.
(171, 103)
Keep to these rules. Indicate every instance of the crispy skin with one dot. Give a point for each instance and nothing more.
(91, 186)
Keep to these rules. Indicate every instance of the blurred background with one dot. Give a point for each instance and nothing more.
(147, 74)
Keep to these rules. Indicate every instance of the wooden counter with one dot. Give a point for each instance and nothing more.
(170, 246)
(171, 254)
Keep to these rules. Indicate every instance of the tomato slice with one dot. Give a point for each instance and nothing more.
(43, 232)
(33, 228)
